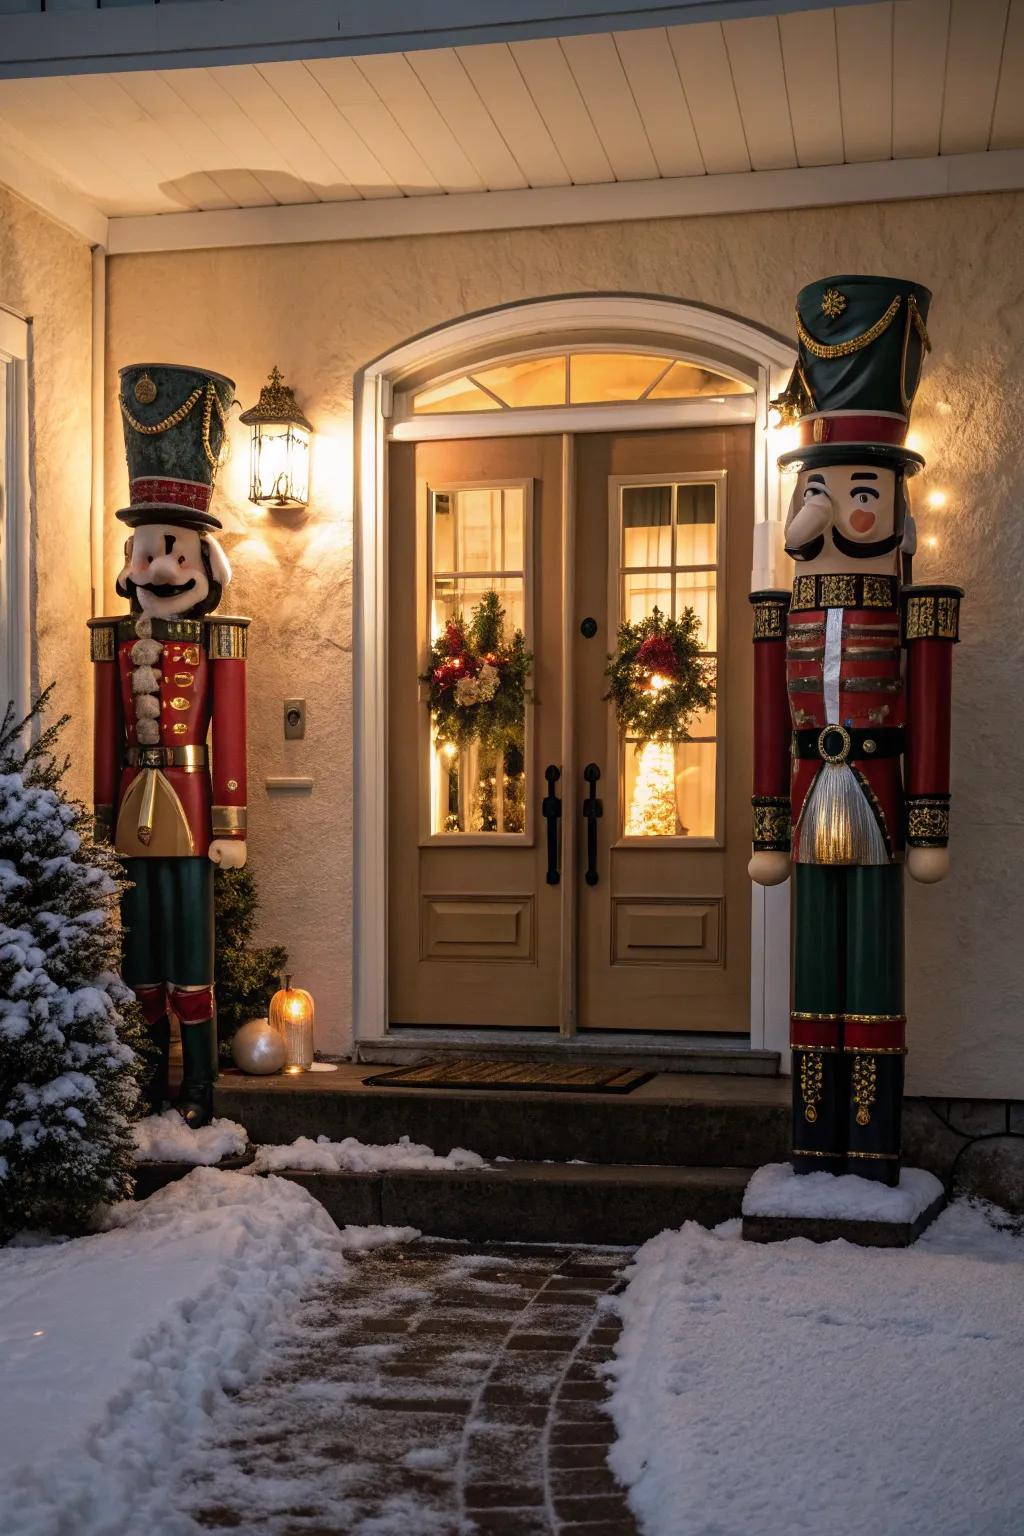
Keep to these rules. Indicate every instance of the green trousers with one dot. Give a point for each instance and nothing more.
(167, 918)
(848, 1023)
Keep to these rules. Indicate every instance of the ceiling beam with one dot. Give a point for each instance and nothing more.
(150, 36)
(680, 197)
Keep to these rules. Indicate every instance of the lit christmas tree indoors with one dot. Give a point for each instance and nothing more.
(652, 805)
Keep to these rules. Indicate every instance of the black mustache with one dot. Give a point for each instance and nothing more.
(865, 551)
(808, 551)
(165, 588)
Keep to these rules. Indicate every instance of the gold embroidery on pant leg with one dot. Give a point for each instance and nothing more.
(811, 1070)
(865, 1087)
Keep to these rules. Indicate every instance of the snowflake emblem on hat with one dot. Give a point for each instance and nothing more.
(833, 303)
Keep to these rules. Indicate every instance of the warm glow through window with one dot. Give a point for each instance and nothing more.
(577, 378)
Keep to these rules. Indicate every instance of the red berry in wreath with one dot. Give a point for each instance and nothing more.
(657, 654)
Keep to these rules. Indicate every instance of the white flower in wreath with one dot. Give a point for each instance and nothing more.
(487, 682)
(466, 692)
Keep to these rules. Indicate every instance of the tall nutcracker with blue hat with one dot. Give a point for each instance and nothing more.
(169, 688)
(853, 673)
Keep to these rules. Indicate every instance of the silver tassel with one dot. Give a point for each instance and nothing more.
(838, 825)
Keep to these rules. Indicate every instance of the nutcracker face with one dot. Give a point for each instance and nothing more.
(171, 571)
(846, 517)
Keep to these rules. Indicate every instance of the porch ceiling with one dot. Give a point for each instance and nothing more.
(898, 80)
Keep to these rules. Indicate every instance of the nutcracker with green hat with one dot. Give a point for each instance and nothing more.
(853, 673)
(169, 685)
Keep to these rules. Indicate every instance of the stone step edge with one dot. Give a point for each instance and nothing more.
(620, 1204)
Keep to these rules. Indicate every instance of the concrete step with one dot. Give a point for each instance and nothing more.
(514, 1202)
(533, 1202)
(650, 1052)
(674, 1120)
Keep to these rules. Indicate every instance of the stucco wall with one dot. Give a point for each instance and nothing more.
(46, 274)
(320, 311)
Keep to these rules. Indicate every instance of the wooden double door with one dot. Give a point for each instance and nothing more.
(562, 876)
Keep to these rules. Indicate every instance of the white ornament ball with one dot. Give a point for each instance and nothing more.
(258, 1048)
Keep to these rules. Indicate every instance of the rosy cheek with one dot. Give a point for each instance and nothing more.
(862, 520)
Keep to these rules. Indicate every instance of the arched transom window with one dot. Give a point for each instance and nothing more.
(584, 377)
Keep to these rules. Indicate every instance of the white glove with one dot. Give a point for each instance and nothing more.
(228, 852)
(769, 867)
(928, 865)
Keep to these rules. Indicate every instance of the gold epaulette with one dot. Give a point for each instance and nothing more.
(103, 637)
(228, 640)
(770, 609)
(931, 613)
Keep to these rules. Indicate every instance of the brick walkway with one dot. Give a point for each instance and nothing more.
(438, 1391)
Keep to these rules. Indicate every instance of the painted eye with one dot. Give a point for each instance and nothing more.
(811, 490)
(862, 498)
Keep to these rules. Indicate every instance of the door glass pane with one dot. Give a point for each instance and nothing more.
(478, 544)
(698, 590)
(647, 525)
(532, 382)
(643, 591)
(456, 395)
(595, 377)
(669, 554)
(696, 533)
(688, 381)
(669, 790)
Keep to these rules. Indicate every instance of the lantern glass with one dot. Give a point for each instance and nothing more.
(292, 1013)
(279, 464)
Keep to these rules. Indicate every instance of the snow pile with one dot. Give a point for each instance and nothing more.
(775, 1190)
(167, 1139)
(352, 1156)
(118, 1346)
(795, 1388)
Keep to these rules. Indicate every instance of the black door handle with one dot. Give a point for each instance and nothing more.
(592, 809)
(551, 810)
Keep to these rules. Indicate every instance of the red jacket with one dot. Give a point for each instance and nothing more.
(894, 685)
(165, 798)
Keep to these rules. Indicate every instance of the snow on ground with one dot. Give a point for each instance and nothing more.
(167, 1139)
(775, 1190)
(794, 1388)
(352, 1156)
(116, 1347)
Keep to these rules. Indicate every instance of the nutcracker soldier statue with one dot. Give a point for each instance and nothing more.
(851, 718)
(168, 676)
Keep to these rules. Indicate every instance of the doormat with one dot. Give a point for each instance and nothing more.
(540, 1076)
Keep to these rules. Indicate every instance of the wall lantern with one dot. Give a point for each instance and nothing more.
(279, 459)
(291, 1013)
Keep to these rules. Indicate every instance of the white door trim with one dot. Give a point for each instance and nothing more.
(764, 358)
(16, 629)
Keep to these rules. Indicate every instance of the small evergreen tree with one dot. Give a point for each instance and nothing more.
(247, 976)
(70, 1030)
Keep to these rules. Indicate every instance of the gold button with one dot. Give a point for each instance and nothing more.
(183, 679)
(232, 783)
(870, 746)
(179, 703)
(179, 728)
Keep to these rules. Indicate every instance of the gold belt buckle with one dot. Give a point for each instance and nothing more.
(844, 750)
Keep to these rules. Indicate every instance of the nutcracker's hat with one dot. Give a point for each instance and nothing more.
(174, 420)
(861, 342)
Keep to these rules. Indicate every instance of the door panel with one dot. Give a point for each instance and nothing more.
(475, 932)
(664, 934)
(479, 936)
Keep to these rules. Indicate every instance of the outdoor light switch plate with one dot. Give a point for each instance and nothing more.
(294, 719)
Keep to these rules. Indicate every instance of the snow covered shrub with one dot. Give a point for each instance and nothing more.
(69, 1027)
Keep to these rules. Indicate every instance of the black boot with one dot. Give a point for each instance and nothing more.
(155, 1088)
(195, 1101)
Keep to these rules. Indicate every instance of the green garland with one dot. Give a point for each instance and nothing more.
(659, 678)
(477, 679)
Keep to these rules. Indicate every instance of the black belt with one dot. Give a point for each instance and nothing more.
(836, 743)
(166, 757)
